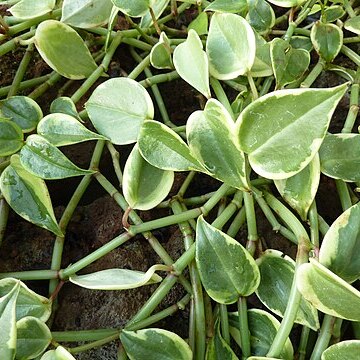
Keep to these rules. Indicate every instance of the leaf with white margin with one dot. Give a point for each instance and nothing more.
(64, 105)
(328, 292)
(158, 7)
(163, 148)
(117, 279)
(229, 57)
(28, 9)
(353, 24)
(260, 16)
(283, 122)
(340, 156)
(223, 159)
(299, 190)
(262, 64)
(228, 6)
(200, 24)
(155, 344)
(28, 196)
(11, 137)
(226, 268)
(160, 54)
(191, 63)
(348, 350)
(86, 13)
(63, 49)
(132, 8)
(277, 272)
(61, 129)
(338, 251)
(118, 107)
(59, 354)
(144, 185)
(287, 3)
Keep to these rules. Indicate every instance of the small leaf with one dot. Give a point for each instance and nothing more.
(262, 64)
(277, 272)
(163, 148)
(348, 350)
(11, 138)
(155, 344)
(226, 268)
(340, 156)
(61, 129)
(327, 40)
(260, 15)
(287, 3)
(28, 196)
(64, 50)
(200, 24)
(332, 13)
(223, 159)
(22, 110)
(229, 57)
(328, 292)
(116, 279)
(191, 63)
(28, 9)
(353, 24)
(301, 42)
(59, 354)
(64, 105)
(160, 55)
(299, 190)
(227, 6)
(46, 161)
(158, 7)
(282, 122)
(144, 186)
(33, 337)
(118, 107)
(133, 8)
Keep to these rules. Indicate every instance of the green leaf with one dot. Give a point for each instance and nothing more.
(277, 272)
(289, 64)
(327, 40)
(229, 57)
(353, 24)
(328, 292)
(59, 354)
(226, 268)
(11, 137)
(8, 323)
(332, 13)
(301, 42)
(223, 159)
(158, 7)
(118, 107)
(160, 55)
(338, 251)
(28, 303)
(299, 190)
(260, 15)
(191, 63)
(348, 350)
(133, 8)
(262, 64)
(46, 161)
(24, 111)
(340, 156)
(144, 186)
(163, 148)
(64, 50)
(33, 337)
(282, 122)
(86, 13)
(228, 6)
(64, 105)
(155, 344)
(200, 24)
(287, 3)
(28, 9)
(61, 129)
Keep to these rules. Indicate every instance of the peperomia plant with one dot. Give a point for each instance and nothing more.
(261, 132)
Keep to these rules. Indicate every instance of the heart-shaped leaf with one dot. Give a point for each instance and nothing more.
(260, 15)
(226, 268)
(191, 63)
(133, 8)
(118, 107)
(223, 159)
(160, 55)
(282, 122)
(229, 57)
(11, 137)
(28, 9)
(227, 6)
(348, 350)
(63, 49)
(28, 196)
(353, 24)
(64, 105)
(61, 129)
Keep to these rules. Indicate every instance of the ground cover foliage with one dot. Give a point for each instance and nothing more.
(261, 131)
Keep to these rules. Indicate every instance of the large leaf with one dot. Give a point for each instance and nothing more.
(28, 196)
(33, 337)
(86, 13)
(191, 63)
(41, 158)
(339, 249)
(118, 107)
(226, 268)
(299, 190)
(277, 272)
(229, 57)
(27, 9)
(163, 148)
(155, 344)
(133, 8)
(348, 350)
(328, 292)
(11, 137)
(340, 156)
(144, 185)
(61, 129)
(64, 50)
(59, 354)
(223, 159)
(283, 122)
